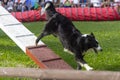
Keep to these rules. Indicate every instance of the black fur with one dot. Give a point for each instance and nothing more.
(70, 37)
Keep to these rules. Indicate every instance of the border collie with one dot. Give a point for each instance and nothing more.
(71, 38)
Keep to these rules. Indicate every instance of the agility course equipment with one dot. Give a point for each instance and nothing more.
(24, 39)
(16, 30)
(75, 14)
(47, 57)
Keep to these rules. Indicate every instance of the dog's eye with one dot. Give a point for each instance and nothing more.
(97, 42)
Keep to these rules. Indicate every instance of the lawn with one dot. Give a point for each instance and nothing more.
(107, 33)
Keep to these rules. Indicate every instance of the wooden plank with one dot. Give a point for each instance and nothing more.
(46, 58)
(46, 74)
(16, 30)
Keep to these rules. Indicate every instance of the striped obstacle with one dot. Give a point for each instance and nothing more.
(74, 14)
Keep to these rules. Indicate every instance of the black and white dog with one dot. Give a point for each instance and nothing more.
(71, 38)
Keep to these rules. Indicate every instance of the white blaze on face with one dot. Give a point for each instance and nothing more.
(84, 35)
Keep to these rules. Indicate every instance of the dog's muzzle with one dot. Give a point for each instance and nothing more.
(97, 49)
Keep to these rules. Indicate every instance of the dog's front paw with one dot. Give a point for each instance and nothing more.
(88, 68)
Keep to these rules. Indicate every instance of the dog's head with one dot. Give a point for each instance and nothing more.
(91, 42)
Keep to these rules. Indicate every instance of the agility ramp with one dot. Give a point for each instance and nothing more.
(26, 41)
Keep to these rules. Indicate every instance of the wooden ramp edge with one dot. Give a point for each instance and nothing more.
(45, 58)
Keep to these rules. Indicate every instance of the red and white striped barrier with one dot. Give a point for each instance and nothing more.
(75, 14)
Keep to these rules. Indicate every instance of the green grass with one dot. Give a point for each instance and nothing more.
(11, 55)
(107, 33)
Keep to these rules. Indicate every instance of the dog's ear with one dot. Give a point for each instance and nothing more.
(92, 34)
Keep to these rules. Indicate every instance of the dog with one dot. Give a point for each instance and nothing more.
(70, 37)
